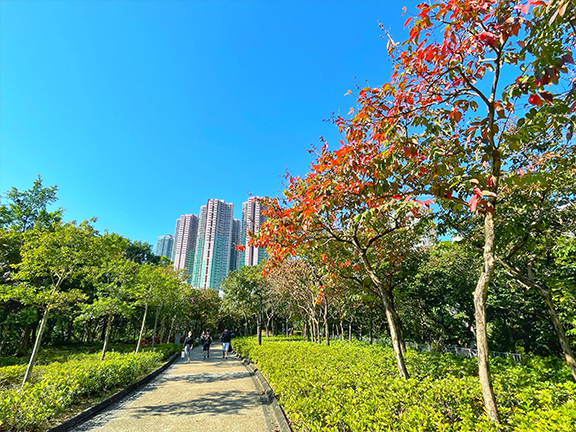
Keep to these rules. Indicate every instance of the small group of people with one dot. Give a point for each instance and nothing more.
(205, 340)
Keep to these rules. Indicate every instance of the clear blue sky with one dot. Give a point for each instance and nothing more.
(140, 111)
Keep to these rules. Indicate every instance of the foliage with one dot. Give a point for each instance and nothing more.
(354, 387)
(60, 385)
(28, 209)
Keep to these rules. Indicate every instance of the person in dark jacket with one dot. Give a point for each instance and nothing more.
(225, 338)
(188, 344)
(206, 341)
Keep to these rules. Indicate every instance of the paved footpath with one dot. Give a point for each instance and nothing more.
(204, 395)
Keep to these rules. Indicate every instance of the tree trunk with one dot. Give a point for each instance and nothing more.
(350, 331)
(530, 282)
(341, 329)
(158, 309)
(162, 328)
(142, 327)
(171, 327)
(107, 335)
(396, 334)
(36, 348)
(480, 294)
(304, 330)
(559, 329)
(326, 329)
(370, 337)
(392, 317)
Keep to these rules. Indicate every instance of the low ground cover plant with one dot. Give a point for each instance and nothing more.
(355, 387)
(57, 386)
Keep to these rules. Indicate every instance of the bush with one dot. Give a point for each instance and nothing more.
(355, 387)
(59, 385)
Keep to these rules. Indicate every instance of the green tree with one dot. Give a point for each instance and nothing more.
(49, 259)
(28, 209)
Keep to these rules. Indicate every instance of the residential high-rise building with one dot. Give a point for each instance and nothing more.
(212, 256)
(234, 253)
(185, 238)
(251, 221)
(164, 246)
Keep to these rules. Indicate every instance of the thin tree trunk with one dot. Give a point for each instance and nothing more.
(530, 282)
(162, 328)
(158, 309)
(171, 327)
(480, 294)
(392, 317)
(326, 329)
(350, 331)
(36, 348)
(396, 335)
(107, 335)
(142, 327)
(341, 329)
(371, 340)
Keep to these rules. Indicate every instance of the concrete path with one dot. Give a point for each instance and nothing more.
(204, 395)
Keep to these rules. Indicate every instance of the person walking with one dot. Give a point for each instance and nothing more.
(206, 341)
(225, 338)
(188, 344)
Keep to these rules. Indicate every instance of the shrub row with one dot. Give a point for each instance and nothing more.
(355, 387)
(58, 386)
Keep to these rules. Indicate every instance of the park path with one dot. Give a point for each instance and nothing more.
(204, 395)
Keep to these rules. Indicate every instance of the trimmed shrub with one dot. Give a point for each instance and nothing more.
(59, 385)
(355, 387)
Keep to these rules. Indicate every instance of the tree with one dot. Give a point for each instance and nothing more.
(24, 210)
(154, 284)
(426, 132)
(28, 209)
(238, 287)
(141, 253)
(114, 280)
(50, 258)
(339, 206)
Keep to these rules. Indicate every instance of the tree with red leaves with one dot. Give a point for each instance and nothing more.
(473, 90)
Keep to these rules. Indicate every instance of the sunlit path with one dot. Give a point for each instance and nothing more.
(204, 395)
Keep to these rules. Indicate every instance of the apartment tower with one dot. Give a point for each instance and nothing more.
(164, 246)
(185, 239)
(251, 221)
(213, 244)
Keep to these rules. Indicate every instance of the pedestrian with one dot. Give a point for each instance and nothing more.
(225, 338)
(188, 344)
(206, 341)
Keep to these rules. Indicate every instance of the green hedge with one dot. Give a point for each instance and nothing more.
(355, 387)
(58, 386)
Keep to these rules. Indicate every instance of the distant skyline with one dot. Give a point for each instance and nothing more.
(141, 111)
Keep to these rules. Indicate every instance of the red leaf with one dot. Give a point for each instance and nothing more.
(523, 8)
(488, 38)
(473, 202)
(534, 100)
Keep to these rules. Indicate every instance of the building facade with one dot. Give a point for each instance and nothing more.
(213, 244)
(234, 253)
(185, 239)
(252, 219)
(164, 246)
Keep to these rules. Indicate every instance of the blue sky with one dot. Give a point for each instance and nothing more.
(140, 111)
